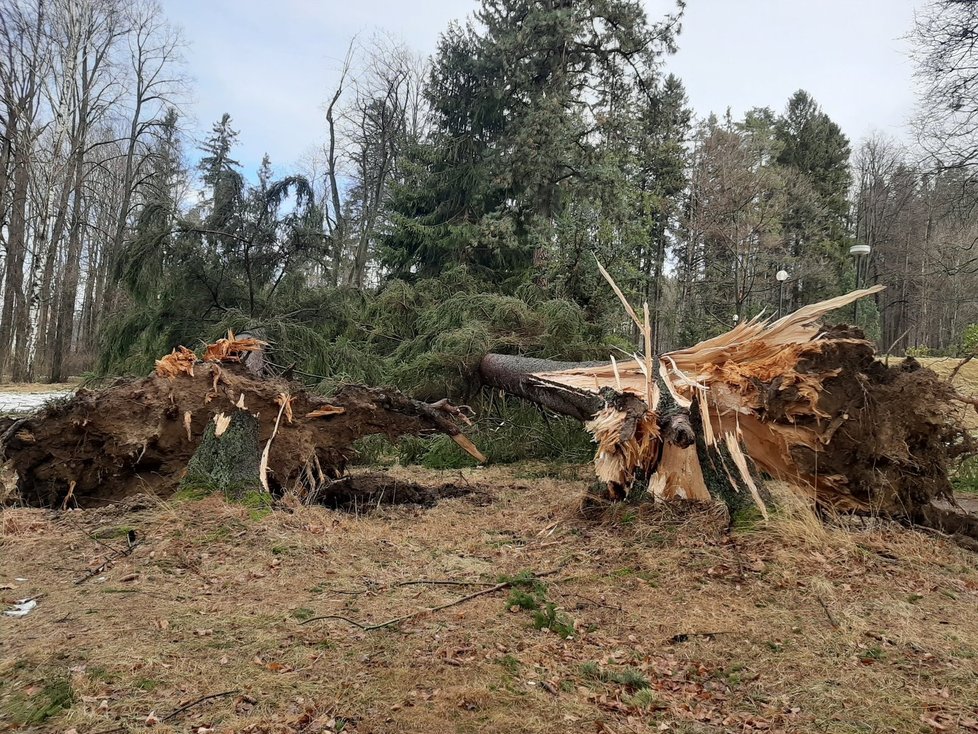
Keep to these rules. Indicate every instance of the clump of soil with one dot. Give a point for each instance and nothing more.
(138, 435)
(361, 493)
(892, 435)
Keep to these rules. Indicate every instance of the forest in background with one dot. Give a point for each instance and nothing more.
(460, 200)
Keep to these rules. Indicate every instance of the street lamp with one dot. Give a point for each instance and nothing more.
(859, 252)
(781, 276)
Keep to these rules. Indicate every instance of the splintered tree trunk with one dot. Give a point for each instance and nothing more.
(633, 441)
(789, 400)
(227, 459)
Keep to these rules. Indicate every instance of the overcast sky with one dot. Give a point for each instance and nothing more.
(272, 63)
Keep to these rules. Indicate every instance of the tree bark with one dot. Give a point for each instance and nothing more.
(227, 462)
(515, 375)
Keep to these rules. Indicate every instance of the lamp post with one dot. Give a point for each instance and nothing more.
(781, 276)
(859, 252)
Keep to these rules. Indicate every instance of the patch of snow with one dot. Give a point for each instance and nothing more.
(13, 402)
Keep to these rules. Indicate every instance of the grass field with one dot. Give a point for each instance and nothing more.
(648, 619)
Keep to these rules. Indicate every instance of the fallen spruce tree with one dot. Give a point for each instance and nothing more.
(217, 423)
(786, 399)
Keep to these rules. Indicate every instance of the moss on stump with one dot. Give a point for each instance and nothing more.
(228, 463)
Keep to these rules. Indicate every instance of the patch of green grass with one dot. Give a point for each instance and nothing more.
(874, 653)
(511, 664)
(644, 699)
(747, 518)
(191, 493)
(259, 503)
(591, 670)
(97, 672)
(218, 534)
(557, 622)
(146, 684)
(965, 477)
(302, 614)
(630, 678)
(733, 675)
(54, 698)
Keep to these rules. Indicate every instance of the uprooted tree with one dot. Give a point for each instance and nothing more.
(220, 423)
(785, 399)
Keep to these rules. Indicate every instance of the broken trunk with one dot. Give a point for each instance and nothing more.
(785, 399)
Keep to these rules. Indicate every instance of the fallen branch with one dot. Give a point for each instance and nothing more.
(199, 701)
(454, 603)
(828, 614)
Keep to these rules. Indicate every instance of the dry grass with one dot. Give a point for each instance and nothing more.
(789, 627)
(25, 388)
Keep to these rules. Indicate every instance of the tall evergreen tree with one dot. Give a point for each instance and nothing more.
(815, 153)
(534, 118)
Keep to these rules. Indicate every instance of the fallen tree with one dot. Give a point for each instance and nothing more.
(787, 399)
(220, 423)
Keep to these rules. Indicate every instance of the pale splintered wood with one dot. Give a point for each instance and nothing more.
(721, 375)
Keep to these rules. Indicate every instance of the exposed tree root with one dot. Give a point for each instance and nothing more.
(788, 399)
(139, 435)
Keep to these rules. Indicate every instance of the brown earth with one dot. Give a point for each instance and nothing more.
(137, 435)
(790, 626)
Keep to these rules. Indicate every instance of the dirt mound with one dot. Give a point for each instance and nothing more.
(892, 436)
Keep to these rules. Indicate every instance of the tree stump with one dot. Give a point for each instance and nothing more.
(226, 460)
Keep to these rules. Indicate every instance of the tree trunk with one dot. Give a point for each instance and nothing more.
(14, 310)
(623, 424)
(228, 461)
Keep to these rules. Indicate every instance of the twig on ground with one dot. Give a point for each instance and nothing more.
(461, 600)
(443, 582)
(828, 614)
(200, 700)
(115, 557)
(589, 600)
